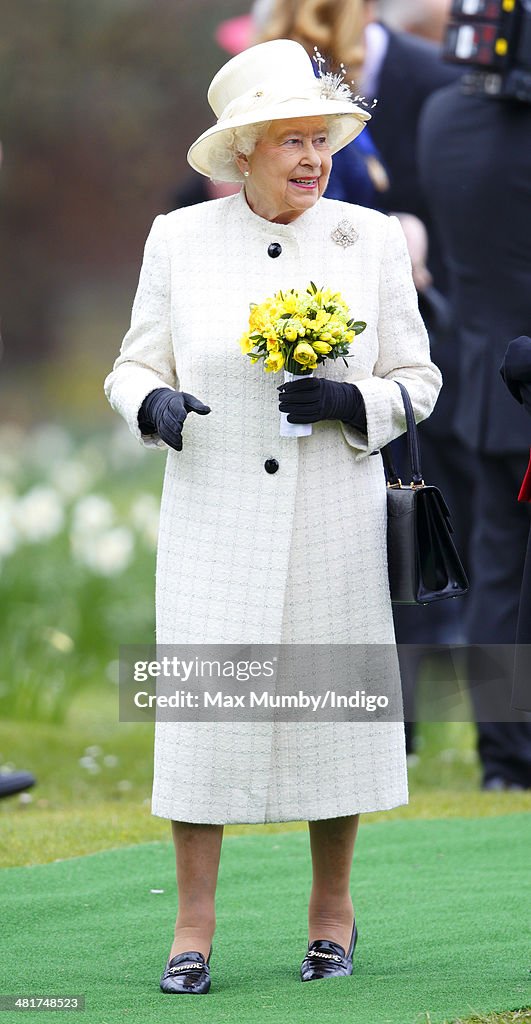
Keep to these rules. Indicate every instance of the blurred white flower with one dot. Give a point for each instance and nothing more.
(93, 751)
(90, 765)
(124, 785)
(8, 532)
(110, 760)
(47, 443)
(112, 671)
(71, 477)
(38, 515)
(107, 553)
(144, 514)
(87, 762)
(25, 798)
(92, 513)
(61, 641)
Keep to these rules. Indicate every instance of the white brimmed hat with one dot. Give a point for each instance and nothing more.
(270, 82)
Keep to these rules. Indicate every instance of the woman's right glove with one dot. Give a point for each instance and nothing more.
(164, 411)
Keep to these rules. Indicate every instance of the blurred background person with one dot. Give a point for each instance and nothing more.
(475, 166)
(424, 18)
(516, 372)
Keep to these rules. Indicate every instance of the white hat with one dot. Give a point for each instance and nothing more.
(270, 82)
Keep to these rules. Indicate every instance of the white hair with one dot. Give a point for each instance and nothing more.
(228, 144)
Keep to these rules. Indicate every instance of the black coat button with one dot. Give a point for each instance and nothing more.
(270, 465)
(274, 250)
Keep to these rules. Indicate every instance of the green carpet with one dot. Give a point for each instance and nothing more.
(442, 910)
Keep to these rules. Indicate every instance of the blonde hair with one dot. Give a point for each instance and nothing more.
(334, 26)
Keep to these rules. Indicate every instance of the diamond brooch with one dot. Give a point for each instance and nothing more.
(345, 234)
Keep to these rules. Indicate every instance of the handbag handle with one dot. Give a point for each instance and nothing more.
(413, 445)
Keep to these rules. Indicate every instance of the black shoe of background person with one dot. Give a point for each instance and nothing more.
(327, 959)
(15, 782)
(497, 784)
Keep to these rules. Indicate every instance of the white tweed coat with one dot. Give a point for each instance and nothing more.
(245, 556)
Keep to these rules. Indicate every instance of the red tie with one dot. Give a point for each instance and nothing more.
(525, 489)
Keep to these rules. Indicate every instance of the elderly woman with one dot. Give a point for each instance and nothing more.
(267, 539)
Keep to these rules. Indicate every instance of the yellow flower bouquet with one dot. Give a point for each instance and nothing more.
(297, 330)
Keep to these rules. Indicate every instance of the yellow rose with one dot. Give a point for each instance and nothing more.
(326, 336)
(246, 344)
(322, 347)
(321, 319)
(305, 355)
(290, 303)
(291, 334)
(274, 362)
(258, 319)
(349, 336)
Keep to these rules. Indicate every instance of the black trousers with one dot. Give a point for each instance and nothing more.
(497, 554)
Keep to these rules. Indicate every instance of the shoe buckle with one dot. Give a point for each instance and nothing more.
(324, 956)
(194, 965)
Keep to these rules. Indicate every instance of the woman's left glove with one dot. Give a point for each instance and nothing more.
(311, 399)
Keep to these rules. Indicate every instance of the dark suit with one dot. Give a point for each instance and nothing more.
(475, 165)
(411, 71)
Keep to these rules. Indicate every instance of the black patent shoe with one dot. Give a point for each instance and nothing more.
(187, 973)
(327, 959)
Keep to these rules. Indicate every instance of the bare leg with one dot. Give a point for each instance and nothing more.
(197, 854)
(330, 912)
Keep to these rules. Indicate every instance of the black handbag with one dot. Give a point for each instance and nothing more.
(424, 565)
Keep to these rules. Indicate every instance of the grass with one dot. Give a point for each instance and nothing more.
(94, 784)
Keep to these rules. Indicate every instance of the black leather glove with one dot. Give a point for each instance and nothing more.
(164, 411)
(311, 399)
(516, 370)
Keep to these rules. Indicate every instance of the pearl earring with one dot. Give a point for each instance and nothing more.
(246, 174)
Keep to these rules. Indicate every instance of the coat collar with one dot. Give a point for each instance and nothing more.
(295, 230)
